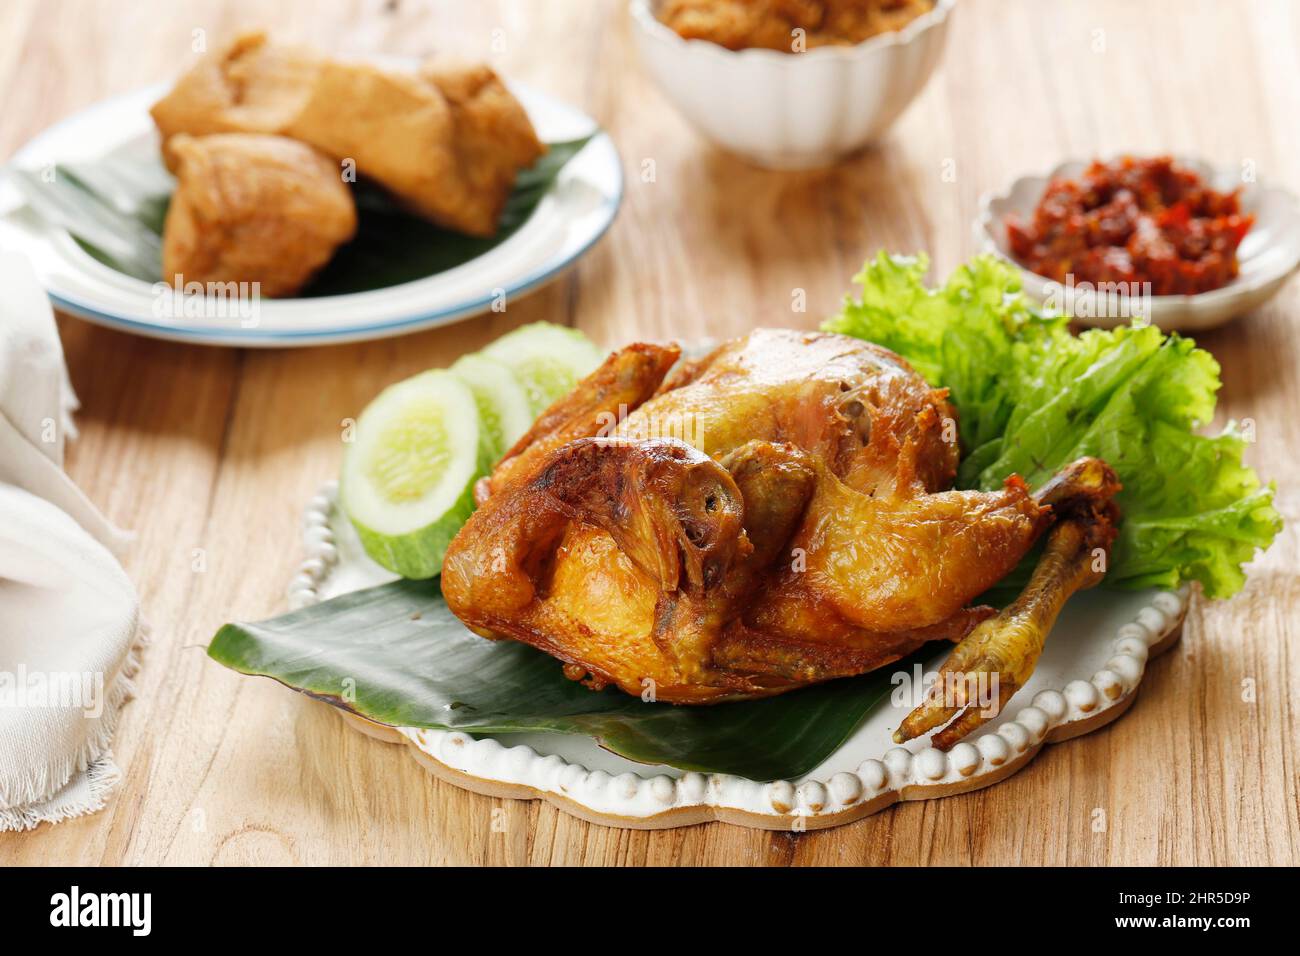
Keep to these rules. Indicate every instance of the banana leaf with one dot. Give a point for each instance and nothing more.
(114, 208)
(395, 654)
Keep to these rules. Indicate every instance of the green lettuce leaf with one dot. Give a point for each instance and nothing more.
(1031, 397)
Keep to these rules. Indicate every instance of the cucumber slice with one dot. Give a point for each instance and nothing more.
(504, 412)
(408, 475)
(547, 359)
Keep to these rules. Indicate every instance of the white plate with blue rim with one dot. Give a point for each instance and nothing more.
(570, 218)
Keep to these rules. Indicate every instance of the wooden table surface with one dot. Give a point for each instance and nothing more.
(217, 449)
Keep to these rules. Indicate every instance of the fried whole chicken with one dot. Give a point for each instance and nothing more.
(776, 514)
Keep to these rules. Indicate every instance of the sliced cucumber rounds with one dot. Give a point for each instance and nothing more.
(547, 359)
(503, 409)
(408, 475)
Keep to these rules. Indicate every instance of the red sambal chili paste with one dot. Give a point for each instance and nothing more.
(1134, 220)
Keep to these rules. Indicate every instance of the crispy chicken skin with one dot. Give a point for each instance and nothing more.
(448, 140)
(770, 24)
(769, 517)
(253, 208)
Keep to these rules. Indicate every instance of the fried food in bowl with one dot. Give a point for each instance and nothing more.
(788, 25)
(786, 84)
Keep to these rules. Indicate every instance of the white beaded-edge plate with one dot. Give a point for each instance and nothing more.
(570, 218)
(1088, 676)
(1268, 254)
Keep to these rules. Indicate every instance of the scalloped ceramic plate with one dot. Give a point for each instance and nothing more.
(1088, 676)
(571, 217)
(1268, 255)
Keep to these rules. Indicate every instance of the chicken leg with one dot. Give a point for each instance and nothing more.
(1001, 653)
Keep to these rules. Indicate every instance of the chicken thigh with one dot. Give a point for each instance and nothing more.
(774, 515)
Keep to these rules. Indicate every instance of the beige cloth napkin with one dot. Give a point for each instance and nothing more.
(70, 622)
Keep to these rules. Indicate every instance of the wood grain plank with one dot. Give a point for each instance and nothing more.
(209, 453)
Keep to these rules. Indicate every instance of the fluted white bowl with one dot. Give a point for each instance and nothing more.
(792, 110)
(1267, 257)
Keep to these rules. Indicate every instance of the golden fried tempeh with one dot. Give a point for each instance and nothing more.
(772, 24)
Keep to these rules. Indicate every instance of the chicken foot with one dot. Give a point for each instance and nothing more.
(1000, 655)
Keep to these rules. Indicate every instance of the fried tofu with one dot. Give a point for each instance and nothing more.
(251, 207)
(493, 137)
(249, 87)
(447, 141)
